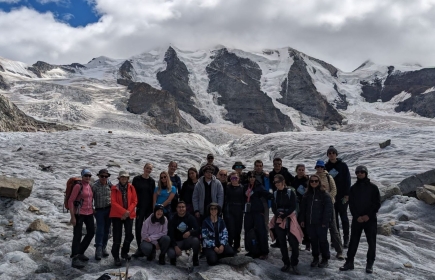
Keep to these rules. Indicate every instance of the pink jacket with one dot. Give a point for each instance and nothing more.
(87, 197)
(295, 229)
(154, 231)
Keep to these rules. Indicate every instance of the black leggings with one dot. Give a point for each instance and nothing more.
(213, 257)
(79, 246)
(117, 236)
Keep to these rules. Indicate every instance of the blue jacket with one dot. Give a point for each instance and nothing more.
(208, 233)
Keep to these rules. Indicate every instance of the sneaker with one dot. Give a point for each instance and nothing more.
(83, 258)
(162, 260)
(105, 253)
(348, 265)
(315, 262)
(152, 256)
(340, 256)
(323, 263)
(77, 263)
(173, 261)
(274, 245)
(369, 267)
(98, 253)
(295, 270)
(138, 254)
(126, 256)
(118, 262)
(285, 268)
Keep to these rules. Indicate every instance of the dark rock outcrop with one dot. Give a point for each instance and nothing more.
(175, 80)
(422, 104)
(299, 92)
(371, 91)
(327, 66)
(1, 68)
(41, 67)
(3, 84)
(13, 119)
(237, 81)
(340, 103)
(125, 73)
(159, 106)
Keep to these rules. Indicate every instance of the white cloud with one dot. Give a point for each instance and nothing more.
(58, 2)
(344, 33)
(67, 17)
(10, 1)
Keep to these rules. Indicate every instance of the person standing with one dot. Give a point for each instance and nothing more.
(238, 167)
(164, 193)
(233, 211)
(364, 203)
(176, 181)
(210, 162)
(327, 182)
(338, 169)
(101, 190)
(187, 189)
(263, 178)
(316, 213)
(122, 212)
(144, 185)
(286, 224)
(80, 206)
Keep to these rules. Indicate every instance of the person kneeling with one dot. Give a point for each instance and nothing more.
(154, 235)
(215, 236)
(183, 231)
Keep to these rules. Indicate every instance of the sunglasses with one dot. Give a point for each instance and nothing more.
(314, 181)
(87, 175)
(104, 176)
(234, 178)
(359, 172)
(277, 182)
(210, 158)
(222, 174)
(238, 166)
(164, 177)
(213, 208)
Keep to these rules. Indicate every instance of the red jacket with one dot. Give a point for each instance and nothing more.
(117, 209)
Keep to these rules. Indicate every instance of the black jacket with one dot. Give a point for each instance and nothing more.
(179, 225)
(316, 208)
(284, 172)
(145, 191)
(283, 201)
(186, 192)
(297, 183)
(364, 199)
(258, 192)
(340, 172)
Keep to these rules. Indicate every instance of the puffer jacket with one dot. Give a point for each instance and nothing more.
(208, 233)
(316, 208)
(329, 184)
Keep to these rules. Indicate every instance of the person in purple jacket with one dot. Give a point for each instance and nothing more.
(154, 235)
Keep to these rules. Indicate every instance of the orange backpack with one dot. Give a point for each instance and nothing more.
(69, 187)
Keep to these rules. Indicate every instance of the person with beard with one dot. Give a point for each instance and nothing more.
(187, 189)
(300, 184)
(154, 235)
(215, 236)
(233, 211)
(183, 231)
(279, 169)
(338, 169)
(122, 212)
(316, 213)
(144, 185)
(255, 195)
(364, 204)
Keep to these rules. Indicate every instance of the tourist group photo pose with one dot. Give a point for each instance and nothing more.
(219, 213)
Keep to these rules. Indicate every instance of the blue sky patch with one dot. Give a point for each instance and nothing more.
(74, 12)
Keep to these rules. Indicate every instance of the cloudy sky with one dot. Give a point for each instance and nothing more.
(344, 33)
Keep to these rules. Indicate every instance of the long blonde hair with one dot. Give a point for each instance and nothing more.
(168, 183)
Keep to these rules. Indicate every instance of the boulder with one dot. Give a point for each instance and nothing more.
(28, 249)
(33, 208)
(38, 225)
(385, 144)
(43, 268)
(384, 229)
(19, 189)
(93, 143)
(409, 185)
(389, 191)
(112, 163)
(425, 195)
(140, 275)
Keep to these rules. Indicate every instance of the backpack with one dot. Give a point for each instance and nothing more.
(251, 243)
(289, 194)
(69, 187)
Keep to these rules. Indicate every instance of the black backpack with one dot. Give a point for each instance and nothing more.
(251, 243)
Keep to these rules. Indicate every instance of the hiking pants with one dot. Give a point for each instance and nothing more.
(185, 244)
(281, 236)
(213, 257)
(103, 226)
(335, 234)
(256, 220)
(319, 241)
(234, 222)
(117, 236)
(79, 246)
(370, 229)
(341, 212)
(148, 247)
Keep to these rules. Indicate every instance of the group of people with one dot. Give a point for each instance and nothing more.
(207, 212)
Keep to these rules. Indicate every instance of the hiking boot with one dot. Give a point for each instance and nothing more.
(285, 268)
(152, 256)
(98, 253)
(324, 263)
(346, 241)
(195, 260)
(118, 262)
(315, 262)
(340, 256)
(274, 245)
(348, 265)
(138, 254)
(77, 263)
(83, 258)
(162, 260)
(295, 270)
(369, 267)
(105, 253)
(126, 256)
(173, 261)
